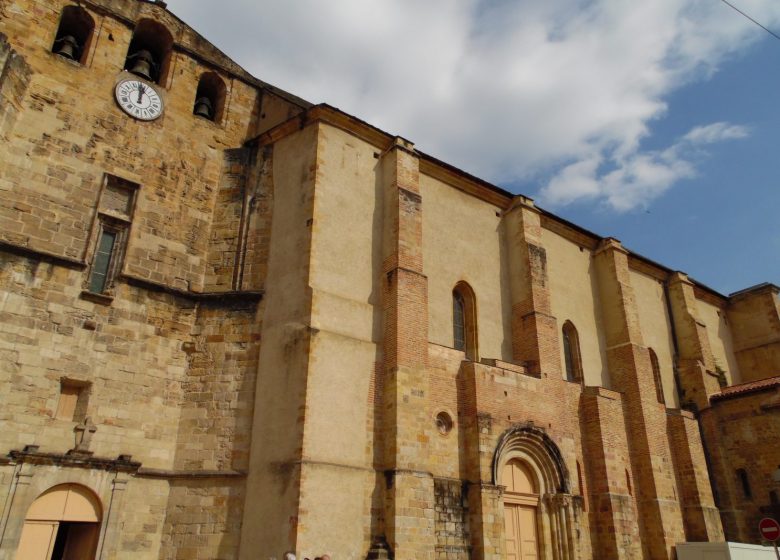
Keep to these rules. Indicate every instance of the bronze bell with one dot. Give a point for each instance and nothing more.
(66, 46)
(204, 108)
(143, 65)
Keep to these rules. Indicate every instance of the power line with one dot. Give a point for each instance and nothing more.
(772, 33)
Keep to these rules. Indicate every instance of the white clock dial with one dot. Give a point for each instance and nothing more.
(138, 99)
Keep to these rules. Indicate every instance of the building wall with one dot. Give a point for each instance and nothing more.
(170, 376)
(274, 368)
(462, 241)
(657, 329)
(746, 432)
(719, 331)
(574, 297)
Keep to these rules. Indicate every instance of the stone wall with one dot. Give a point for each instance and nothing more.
(451, 520)
(742, 431)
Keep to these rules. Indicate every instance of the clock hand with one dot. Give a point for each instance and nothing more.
(140, 92)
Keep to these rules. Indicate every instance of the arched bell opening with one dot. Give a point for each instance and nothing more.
(538, 510)
(74, 34)
(210, 97)
(63, 523)
(149, 53)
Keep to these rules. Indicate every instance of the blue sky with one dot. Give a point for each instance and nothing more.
(653, 122)
(722, 226)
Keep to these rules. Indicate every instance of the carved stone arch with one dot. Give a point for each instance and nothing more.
(534, 443)
(554, 519)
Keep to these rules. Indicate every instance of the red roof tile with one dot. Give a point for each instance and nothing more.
(743, 388)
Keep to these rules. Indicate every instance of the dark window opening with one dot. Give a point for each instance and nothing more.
(464, 320)
(745, 482)
(774, 499)
(74, 34)
(458, 321)
(571, 352)
(210, 97)
(149, 54)
(659, 388)
(103, 257)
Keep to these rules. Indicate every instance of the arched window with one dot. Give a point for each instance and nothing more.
(149, 54)
(464, 320)
(210, 97)
(74, 34)
(659, 388)
(742, 476)
(571, 352)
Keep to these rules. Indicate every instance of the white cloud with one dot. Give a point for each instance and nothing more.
(506, 89)
(716, 132)
(640, 176)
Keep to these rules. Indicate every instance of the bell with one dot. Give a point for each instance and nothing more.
(66, 46)
(143, 65)
(204, 108)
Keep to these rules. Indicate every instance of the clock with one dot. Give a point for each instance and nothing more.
(138, 99)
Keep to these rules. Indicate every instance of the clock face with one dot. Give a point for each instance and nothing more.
(138, 99)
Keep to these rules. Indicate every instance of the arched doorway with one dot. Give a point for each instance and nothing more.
(521, 500)
(540, 519)
(63, 523)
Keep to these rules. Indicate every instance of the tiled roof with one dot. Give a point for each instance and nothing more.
(743, 388)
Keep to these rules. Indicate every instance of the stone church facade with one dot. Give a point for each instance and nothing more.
(234, 323)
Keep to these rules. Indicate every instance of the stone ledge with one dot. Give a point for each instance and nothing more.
(40, 254)
(31, 455)
(171, 474)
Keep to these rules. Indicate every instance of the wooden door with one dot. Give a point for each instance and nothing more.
(520, 531)
(520, 507)
(37, 540)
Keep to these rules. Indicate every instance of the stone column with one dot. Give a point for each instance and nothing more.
(16, 510)
(660, 519)
(695, 365)
(535, 340)
(614, 530)
(109, 535)
(406, 426)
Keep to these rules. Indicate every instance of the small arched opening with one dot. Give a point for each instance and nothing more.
(63, 523)
(464, 320)
(74, 34)
(149, 53)
(744, 482)
(210, 97)
(571, 353)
